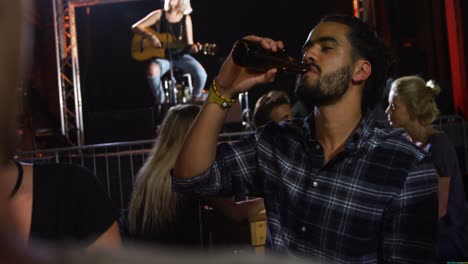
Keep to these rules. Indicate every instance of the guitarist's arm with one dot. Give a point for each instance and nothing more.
(189, 26)
(141, 27)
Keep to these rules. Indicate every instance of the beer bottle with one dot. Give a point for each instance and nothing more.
(251, 55)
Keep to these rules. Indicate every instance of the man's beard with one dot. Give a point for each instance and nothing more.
(326, 90)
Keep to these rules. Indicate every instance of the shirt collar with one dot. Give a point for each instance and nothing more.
(355, 141)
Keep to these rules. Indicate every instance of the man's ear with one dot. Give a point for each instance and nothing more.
(361, 72)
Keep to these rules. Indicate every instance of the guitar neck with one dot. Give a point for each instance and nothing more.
(175, 46)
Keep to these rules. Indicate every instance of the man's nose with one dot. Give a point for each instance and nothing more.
(311, 54)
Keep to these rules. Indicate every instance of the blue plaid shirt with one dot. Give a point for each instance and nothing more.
(374, 202)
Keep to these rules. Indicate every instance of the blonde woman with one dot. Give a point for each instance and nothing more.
(174, 19)
(412, 107)
(157, 214)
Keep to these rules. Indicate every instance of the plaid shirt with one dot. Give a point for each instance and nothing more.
(374, 202)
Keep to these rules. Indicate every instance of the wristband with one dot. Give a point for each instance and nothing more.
(216, 97)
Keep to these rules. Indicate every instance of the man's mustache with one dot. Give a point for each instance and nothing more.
(312, 64)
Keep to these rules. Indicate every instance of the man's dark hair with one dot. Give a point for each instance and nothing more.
(367, 45)
(265, 105)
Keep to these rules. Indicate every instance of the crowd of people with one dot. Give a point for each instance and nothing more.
(337, 186)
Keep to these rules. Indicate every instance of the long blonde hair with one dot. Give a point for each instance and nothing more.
(153, 188)
(184, 6)
(418, 97)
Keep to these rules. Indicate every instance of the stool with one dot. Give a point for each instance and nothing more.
(180, 92)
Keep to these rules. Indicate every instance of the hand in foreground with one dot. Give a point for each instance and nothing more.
(234, 79)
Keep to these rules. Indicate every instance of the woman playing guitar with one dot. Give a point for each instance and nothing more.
(175, 20)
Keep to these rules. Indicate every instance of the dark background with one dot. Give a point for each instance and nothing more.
(112, 82)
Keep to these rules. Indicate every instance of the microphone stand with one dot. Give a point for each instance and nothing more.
(172, 84)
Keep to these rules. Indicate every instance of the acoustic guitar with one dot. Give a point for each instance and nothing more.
(143, 49)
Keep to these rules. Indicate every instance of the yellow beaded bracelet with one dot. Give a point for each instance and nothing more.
(217, 98)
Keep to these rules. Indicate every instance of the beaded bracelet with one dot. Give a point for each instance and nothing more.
(217, 98)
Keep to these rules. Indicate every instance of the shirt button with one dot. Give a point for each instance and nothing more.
(317, 146)
(315, 184)
(303, 229)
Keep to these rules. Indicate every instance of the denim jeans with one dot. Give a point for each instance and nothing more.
(187, 64)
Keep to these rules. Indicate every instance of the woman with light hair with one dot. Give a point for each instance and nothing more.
(159, 215)
(412, 107)
(184, 6)
(174, 19)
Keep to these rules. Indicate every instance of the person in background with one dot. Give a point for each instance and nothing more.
(273, 106)
(156, 214)
(412, 107)
(175, 19)
(159, 215)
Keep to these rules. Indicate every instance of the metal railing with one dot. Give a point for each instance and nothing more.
(117, 164)
(114, 164)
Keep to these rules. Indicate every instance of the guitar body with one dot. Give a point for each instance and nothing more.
(143, 49)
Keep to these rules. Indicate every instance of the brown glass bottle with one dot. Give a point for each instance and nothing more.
(251, 55)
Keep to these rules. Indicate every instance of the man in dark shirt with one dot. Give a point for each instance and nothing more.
(336, 186)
